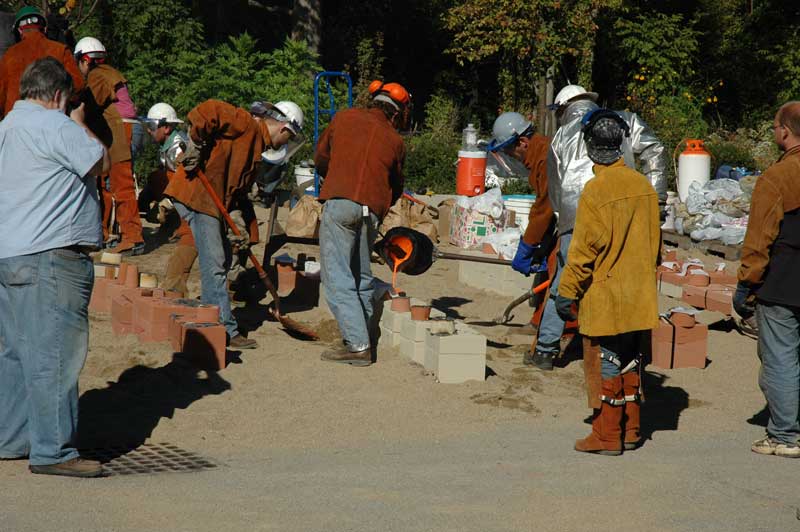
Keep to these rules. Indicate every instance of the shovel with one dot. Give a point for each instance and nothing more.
(286, 321)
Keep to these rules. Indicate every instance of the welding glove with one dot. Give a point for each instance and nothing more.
(743, 300)
(190, 158)
(523, 259)
(564, 308)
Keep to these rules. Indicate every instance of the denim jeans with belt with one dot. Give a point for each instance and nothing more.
(345, 243)
(44, 339)
(214, 252)
(552, 326)
(779, 378)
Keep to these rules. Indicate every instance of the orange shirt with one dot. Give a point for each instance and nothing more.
(235, 141)
(34, 45)
(361, 156)
(103, 81)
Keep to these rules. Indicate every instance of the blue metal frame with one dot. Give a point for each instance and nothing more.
(330, 111)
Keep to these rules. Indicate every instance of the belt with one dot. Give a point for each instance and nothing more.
(77, 248)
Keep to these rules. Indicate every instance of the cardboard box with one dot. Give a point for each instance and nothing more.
(468, 228)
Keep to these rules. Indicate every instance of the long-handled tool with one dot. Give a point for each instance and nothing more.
(286, 321)
(507, 316)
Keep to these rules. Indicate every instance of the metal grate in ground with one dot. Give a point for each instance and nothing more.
(148, 459)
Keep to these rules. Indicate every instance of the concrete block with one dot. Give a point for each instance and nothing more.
(396, 320)
(431, 362)
(464, 341)
(176, 322)
(204, 343)
(455, 368)
(414, 351)
(100, 300)
(671, 290)
(416, 331)
(152, 318)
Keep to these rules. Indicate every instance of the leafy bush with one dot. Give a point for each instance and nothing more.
(430, 154)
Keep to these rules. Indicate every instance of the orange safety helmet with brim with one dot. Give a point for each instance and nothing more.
(395, 95)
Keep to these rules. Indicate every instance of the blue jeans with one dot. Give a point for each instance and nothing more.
(779, 378)
(44, 339)
(214, 252)
(552, 326)
(345, 243)
(623, 348)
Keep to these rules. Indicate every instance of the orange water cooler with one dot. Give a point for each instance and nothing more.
(471, 173)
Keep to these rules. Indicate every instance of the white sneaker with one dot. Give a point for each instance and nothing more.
(768, 445)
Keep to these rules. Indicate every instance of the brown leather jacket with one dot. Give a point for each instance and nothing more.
(34, 45)
(361, 156)
(772, 243)
(104, 81)
(541, 214)
(234, 143)
(611, 264)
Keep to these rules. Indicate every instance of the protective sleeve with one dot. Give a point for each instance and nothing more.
(588, 240)
(553, 178)
(652, 156)
(322, 157)
(217, 119)
(396, 177)
(766, 215)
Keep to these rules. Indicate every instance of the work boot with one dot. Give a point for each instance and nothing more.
(77, 467)
(240, 342)
(129, 249)
(542, 360)
(606, 436)
(343, 356)
(633, 407)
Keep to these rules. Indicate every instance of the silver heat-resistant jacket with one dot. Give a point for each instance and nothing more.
(171, 148)
(569, 167)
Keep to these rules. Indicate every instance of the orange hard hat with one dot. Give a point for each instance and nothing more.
(395, 91)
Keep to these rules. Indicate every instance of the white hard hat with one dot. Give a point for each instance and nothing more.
(571, 93)
(91, 47)
(163, 112)
(293, 113)
(507, 129)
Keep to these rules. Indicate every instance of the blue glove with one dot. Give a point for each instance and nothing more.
(523, 260)
(564, 308)
(743, 308)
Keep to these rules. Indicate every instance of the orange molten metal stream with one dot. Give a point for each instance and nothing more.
(398, 245)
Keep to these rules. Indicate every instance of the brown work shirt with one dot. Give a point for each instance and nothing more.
(541, 215)
(234, 144)
(361, 156)
(34, 45)
(103, 82)
(771, 246)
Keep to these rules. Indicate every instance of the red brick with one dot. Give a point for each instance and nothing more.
(690, 346)
(672, 278)
(204, 343)
(719, 298)
(100, 300)
(132, 276)
(197, 311)
(176, 322)
(694, 295)
(670, 256)
(122, 315)
(123, 268)
(151, 317)
(723, 278)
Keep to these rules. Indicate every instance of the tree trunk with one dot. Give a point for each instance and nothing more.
(541, 105)
(307, 23)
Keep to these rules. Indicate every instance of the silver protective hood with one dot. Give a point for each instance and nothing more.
(569, 167)
(172, 148)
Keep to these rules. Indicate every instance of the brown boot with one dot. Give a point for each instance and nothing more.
(178, 269)
(77, 467)
(343, 356)
(630, 387)
(606, 436)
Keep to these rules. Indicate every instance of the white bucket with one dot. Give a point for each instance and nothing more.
(521, 205)
(303, 175)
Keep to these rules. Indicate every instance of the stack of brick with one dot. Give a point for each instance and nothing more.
(690, 281)
(679, 342)
(156, 315)
(455, 356)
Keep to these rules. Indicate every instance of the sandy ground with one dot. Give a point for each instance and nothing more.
(306, 445)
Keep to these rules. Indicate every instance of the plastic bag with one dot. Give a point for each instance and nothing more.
(505, 242)
(490, 202)
(719, 189)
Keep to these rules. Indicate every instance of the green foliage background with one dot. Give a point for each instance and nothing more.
(714, 69)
